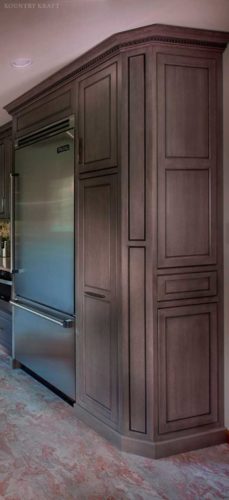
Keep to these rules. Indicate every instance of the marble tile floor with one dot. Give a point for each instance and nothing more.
(47, 454)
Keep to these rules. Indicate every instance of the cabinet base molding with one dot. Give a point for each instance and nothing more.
(191, 442)
(100, 427)
(153, 449)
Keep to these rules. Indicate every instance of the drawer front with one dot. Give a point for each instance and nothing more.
(46, 348)
(185, 286)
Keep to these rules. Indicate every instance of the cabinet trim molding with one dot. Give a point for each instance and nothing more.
(156, 33)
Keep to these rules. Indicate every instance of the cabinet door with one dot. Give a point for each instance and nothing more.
(5, 168)
(50, 108)
(97, 291)
(188, 380)
(187, 180)
(98, 120)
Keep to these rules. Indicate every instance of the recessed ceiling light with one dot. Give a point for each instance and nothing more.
(21, 62)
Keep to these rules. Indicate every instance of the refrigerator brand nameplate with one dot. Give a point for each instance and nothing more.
(63, 148)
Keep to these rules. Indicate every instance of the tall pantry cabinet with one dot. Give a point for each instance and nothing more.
(149, 306)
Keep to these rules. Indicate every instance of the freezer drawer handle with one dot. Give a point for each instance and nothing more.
(65, 323)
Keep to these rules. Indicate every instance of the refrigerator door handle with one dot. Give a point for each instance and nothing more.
(65, 322)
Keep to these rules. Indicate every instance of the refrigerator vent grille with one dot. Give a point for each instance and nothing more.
(44, 132)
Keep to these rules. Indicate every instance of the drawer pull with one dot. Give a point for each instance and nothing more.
(93, 294)
(65, 322)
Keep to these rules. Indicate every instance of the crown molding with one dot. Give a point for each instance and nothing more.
(156, 33)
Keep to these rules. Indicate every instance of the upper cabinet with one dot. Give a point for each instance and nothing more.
(5, 169)
(98, 119)
(52, 107)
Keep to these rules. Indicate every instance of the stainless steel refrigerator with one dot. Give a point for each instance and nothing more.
(43, 254)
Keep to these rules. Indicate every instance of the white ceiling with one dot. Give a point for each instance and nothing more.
(54, 32)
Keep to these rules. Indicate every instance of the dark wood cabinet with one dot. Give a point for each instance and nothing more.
(98, 343)
(57, 104)
(5, 169)
(187, 367)
(186, 160)
(148, 237)
(98, 119)
(186, 286)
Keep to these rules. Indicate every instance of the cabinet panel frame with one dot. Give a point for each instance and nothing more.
(52, 106)
(107, 70)
(166, 426)
(210, 279)
(187, 164)
(128, 244)
(109, 416)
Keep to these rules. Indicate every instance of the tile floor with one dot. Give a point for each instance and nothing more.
(46, 453)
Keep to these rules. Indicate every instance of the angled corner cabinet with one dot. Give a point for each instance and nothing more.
(148, 233)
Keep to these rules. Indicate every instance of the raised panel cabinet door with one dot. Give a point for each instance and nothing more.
(98, 120)
(187, 176)
(188, 367)
(97, 301)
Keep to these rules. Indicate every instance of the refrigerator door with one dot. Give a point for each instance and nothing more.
(44, 222)
(45, 343)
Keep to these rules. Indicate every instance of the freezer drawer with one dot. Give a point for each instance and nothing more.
(46, 348)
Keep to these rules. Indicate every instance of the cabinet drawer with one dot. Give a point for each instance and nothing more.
(184, 286)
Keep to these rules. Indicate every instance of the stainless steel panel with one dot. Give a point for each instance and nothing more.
(44, 222)
(46, 348)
